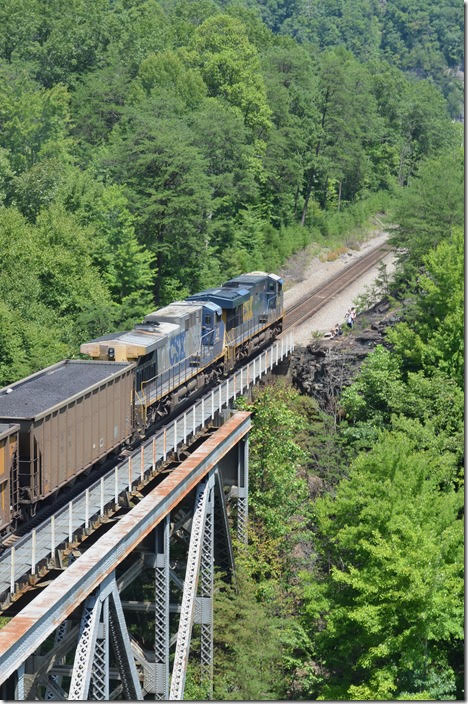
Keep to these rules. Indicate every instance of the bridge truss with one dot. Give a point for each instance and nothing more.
(150, 574)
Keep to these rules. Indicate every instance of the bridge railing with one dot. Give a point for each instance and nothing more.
(38, 548)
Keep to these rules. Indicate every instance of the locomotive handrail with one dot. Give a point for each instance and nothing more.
(170, 374)
(237, 334)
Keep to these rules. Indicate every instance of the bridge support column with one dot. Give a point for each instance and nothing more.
(54, 682)
(184, 634)
(206, 591)
(103, 617)
(161, 611)
(19, 689)
(243, 489)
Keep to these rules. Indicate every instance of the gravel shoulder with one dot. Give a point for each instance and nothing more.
(317, 272)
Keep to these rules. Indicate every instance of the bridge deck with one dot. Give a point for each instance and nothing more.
(25, 632)
(23, 559)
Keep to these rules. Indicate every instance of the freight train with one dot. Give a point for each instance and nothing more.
(60, 421)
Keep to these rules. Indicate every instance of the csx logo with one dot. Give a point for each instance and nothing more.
(247, 311)
(177, 348)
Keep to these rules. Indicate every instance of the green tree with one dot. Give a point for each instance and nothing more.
(169, 193)
(277, 494)
(34, 120)
(290, 77)
(425, 128)
(433, 338)
(349, 125)
(385, 606)
(126, 266)
(166, 71)
(219, 132)
(429, 208)
(19, 25)
(98, 102)
(13, 362)
(248, 642)
(69, 36)
(230, 67)
(138, 28)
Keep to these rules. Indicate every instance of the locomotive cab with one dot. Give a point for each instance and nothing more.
(232, 302)
(212, 325)
(275, 292)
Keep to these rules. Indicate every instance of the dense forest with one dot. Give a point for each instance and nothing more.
(421, 37)
(351, 586)
(149, 149)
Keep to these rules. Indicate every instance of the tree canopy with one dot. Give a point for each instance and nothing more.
(183, 143)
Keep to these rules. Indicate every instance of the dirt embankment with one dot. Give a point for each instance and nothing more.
(324, 367)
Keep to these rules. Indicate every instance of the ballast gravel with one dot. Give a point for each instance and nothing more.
(318, 272)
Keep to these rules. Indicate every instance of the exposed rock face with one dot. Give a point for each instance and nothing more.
(325, 366)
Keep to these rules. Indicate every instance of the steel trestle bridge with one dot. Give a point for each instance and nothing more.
(163, 510)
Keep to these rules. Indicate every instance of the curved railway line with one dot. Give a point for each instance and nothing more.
(191, 421)
(315, 300)
(117, 509)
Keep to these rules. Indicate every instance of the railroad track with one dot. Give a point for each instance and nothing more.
(70, 518)
(321, 295)
(48, 544)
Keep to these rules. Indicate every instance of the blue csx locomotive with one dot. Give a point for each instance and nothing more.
(182, 347)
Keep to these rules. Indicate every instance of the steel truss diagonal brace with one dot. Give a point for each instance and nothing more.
(243, 490)
(161, 611)
(223, 553)
(206, 590)
(102, 616)
(194, 556)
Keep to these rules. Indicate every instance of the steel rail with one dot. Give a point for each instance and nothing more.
(321, 295)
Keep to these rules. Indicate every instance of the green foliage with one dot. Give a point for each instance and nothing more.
(248, 642)
(166, 71)
(433, 337)
(277, 494)
(388, 590)
(231, 69)
(97, 104)
(429, 208)
(47, 281)
(424, 38)
(34, 120)
(169, 194)
(126, 265)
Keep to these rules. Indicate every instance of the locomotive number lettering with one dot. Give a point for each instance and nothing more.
(177, 348)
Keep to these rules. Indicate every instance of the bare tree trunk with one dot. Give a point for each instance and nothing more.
(296, 198)
(306, 202)
(339, 196)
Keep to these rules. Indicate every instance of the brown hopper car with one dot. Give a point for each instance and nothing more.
(8, 474)
(70, 415)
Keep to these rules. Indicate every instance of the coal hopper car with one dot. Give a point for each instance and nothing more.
(68, 416)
